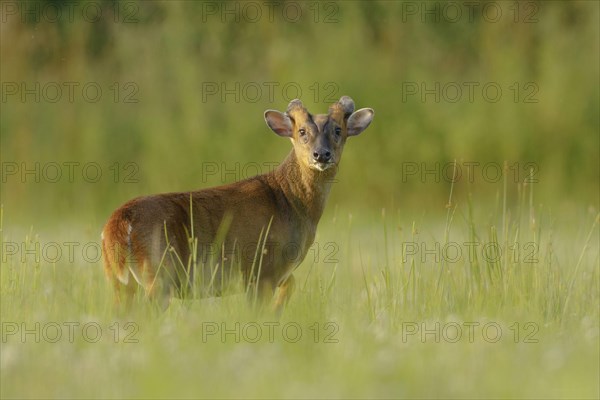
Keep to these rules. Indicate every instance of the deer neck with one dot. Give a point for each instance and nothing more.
(305, 188)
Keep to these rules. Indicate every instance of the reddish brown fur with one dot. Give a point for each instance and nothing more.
(148, 237)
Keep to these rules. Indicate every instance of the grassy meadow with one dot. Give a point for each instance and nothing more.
(458, 255)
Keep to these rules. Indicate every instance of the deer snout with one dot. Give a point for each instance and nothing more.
(322, 155)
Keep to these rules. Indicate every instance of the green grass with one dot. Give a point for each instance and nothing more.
(377, 313)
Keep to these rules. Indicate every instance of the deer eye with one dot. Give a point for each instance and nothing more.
(338, 130)
(302, 131)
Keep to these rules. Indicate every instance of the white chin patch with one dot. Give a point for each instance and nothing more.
(320, 167)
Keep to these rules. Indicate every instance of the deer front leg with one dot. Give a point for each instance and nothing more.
(283, 295)
(260, 293)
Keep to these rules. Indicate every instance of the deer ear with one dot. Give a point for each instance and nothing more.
(279, 123)
(359, 121)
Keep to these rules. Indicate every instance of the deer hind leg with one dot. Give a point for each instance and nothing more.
(286, 288)
(124, 292)
(148, 275)
(158, 267)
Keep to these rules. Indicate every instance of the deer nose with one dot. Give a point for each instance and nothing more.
(322, 155)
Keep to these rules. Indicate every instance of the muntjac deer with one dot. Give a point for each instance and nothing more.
(162, 242)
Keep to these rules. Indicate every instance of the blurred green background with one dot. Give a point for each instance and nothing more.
(184, 85)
